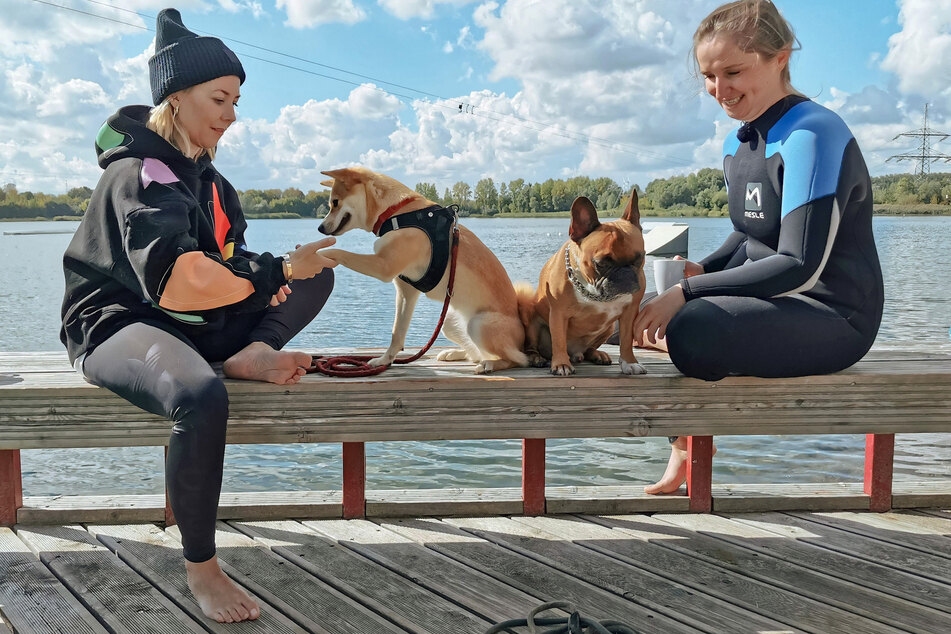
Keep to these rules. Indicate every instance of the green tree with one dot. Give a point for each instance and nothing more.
(486, 196)
(461, 193)
(428, 190)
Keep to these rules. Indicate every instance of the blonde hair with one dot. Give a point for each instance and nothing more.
(756, 26)
(163, 121)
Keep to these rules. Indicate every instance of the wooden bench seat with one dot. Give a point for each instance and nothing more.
(45, 404)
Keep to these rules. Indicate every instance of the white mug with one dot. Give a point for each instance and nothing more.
(667, 273)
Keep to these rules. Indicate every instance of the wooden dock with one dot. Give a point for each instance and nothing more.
(768, 572)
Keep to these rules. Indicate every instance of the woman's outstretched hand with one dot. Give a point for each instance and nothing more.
(306, 262)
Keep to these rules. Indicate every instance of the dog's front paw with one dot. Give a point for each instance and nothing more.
(384, 360)
(632, 368)
(452, 355)
(562, 369)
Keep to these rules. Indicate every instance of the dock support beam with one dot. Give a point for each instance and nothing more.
(354, 480)
(879, 462)
(11, 486)
(700, 473)
(533, 476)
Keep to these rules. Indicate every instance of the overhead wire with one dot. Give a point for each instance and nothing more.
(447, 103)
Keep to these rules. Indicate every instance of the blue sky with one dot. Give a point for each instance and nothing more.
(552, 88)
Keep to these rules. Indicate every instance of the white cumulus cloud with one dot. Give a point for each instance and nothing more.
(303, 14)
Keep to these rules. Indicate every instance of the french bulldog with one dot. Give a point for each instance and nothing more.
(593, 281)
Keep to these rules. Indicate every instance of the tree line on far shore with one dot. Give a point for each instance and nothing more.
(701, 193)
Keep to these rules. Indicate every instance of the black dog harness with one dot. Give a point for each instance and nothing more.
(437, 223)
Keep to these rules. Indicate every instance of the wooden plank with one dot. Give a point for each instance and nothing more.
(59, 409)
(155, 556)
(929, 494)
(314, 605)
(607, 499)
(121, 599)
(532, 577)
(386, 593)
(740, 498)
(529, 537)
(479, 593)
(853, 606)
(879, 462)
(746, 532)
(910, 531)
(65, 509)
(835, 540)
(677, 555)
(33, 600)
(443, 502)
(127, 509)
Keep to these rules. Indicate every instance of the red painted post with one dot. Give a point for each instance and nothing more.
(354, 480)
(533, 476)
(11, 486)
(169, 515)
(700, 473)
(879, 460)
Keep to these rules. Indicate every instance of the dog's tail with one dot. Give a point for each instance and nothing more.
(526, 302)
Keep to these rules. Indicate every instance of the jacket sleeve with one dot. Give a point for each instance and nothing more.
(171, 270)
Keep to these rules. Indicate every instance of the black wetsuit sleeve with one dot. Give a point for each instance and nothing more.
(805, 236)
(731, 253)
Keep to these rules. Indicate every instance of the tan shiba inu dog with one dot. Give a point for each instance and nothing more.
(412, 252)
(593, 281)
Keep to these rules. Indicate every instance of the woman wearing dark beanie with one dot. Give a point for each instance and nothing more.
(159, 284)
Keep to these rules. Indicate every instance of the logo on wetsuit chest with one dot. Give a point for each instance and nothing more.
(754, 200)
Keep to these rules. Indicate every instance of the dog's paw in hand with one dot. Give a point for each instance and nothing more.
(632, 368)
(562, 369)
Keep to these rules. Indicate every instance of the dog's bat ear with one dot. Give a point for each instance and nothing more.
(632, 212)
(327, 183)
(584, 219)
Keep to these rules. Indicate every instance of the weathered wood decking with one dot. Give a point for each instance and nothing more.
(772, 572)
(44, 404)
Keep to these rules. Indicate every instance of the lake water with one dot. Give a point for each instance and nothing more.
(360, 313)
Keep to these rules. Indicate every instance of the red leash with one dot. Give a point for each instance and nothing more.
(357, 365)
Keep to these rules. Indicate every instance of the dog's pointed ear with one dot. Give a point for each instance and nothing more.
(584, 219)
(345, 175)
(632, 212)
(328, 183)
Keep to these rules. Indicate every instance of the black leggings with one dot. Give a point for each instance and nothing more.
(714, 337)
(168, 374)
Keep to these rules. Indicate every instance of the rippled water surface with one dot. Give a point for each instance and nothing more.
(360, 313)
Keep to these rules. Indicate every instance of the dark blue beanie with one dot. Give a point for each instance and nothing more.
(183, 59)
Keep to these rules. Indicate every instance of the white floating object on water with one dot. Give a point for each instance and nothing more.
(665, 238)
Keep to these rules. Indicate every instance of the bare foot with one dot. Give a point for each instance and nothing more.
(676, 473)
(217, 595)
(260, 362)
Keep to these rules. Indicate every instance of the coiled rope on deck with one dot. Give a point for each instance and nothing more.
(573, 624)
(354, 365)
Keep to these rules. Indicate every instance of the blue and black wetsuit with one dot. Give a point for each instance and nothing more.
(796, 289)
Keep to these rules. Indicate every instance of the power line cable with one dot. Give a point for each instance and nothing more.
(461, 107)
